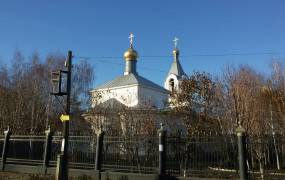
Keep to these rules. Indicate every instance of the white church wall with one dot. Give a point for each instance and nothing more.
(151, 97)
(132, 96)
(126, 95)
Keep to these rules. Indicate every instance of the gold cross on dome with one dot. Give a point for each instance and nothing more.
(131, 37)
(175, 42)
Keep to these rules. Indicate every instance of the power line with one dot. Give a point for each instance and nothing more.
(121, 64)
(188, 56)
(102, 59)
(238, 54)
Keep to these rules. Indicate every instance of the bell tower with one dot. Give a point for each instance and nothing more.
(176, 72)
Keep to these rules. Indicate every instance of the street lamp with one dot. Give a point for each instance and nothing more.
(56, 78)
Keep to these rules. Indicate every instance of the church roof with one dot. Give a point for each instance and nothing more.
(131, 79)
(176, 69)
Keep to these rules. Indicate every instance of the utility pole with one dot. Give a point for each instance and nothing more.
(62, 158)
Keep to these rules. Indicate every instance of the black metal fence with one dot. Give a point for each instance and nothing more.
(202, 156)
(82, 151)
(266, 156)
(199, 156)
(26, 150)
(55, 149)
(131, 154)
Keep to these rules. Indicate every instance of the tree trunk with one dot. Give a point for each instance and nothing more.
(274, 138)
(261, 170)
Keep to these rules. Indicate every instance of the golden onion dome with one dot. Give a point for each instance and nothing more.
(130, 54)
(175, 51)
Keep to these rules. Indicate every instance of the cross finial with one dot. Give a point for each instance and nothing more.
(175, 42)
(131, 37)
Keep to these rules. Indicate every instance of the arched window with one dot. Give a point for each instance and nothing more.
(171, 85)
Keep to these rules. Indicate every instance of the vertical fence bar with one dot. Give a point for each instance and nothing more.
(99, 148)
(162, 150)
(7, 134)
(47, 151)
(242, 153)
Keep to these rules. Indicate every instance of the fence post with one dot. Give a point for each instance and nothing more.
(7, 134)
(99, 150)
(47, 152)
(242, 153)
(162, 149)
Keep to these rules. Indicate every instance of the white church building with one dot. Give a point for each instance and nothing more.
(132, 90)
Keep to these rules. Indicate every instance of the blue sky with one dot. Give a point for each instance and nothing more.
(93, 28)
